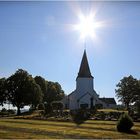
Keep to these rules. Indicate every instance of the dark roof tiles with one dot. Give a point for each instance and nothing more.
(108, 100)
(84, 70)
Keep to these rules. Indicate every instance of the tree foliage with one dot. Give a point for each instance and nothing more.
(128, 90)
(137, 103)
(54, 92)
(43, 84)
(2, 91)
(124, 123)
(37, 95)
(22, 90)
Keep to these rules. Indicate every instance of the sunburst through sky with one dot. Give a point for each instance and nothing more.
(87, 26)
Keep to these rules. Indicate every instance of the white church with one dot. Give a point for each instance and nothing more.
(84, 96)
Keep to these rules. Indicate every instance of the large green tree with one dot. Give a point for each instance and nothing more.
(37, 95)
(2, 91)
(22, 90)
(128, 90)
(137, 103)
(43, 84)
(54, 92)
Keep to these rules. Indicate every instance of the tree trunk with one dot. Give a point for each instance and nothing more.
(18, 110)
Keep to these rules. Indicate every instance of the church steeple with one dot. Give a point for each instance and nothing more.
(84, 70)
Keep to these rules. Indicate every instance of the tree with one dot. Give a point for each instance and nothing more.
(137, 103)
(54, 92)
(37, 95)
(2, 91)
(43, 85)
(127, 90)
(22, 90)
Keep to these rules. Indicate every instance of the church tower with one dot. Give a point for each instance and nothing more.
(84, 80)
(84, 96)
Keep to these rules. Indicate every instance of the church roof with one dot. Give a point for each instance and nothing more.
(85, 95)
(108, 100)
(84, 70)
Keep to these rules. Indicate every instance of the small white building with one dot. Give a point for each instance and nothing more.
(84, 96)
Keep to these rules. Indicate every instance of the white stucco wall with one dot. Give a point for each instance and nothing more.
(83, 86)
(87, 100)
(73, 101)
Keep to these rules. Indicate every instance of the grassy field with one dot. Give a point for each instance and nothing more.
(111, 110)
(19, 128)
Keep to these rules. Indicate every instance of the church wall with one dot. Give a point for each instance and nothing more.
(84, 85)
(73, 101)
(87, 100)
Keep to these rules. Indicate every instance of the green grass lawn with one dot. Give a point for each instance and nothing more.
(111, 110)
(40, 129)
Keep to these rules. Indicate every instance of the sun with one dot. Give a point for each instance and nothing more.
(87, 26)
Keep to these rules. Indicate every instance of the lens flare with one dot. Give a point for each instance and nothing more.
(87, 26)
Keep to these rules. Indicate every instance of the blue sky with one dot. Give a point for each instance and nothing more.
(37, 37)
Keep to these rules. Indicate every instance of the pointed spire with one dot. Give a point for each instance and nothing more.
(84, 70)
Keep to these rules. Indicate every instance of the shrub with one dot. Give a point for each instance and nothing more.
(79, 116)
(124, 123)
(41, 107)
(56, 105)
(100, 115)
(48, 110)
(4, 110)
(93, 110)
(11, 111)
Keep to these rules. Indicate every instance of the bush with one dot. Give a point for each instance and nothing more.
(93, 110)
(41, 107)
(11, 111)
(79, 116)
(100, 115)
(4, 110)
(48, 110)
(124, 123)
(56, 105)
